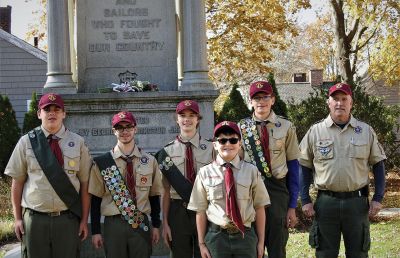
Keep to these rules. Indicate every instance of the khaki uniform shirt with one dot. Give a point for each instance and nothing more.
(38, 194)
(202, 155)
(341, 158)
(209, 191)
(283, 143)
(147, 178)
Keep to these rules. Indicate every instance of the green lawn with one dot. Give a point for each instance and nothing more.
(385, 239)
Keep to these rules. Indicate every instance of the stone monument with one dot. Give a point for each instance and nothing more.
(159, 41)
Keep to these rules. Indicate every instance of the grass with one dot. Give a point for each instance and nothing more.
(384, 237)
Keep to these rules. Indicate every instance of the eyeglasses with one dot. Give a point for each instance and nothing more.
(121, 129)
(223, 141)
(259, 98)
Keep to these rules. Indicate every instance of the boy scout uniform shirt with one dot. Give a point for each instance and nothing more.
(283, 143)
(38, 194)
(209, 191)
(340, 157)
(202, 155)
(147, 179)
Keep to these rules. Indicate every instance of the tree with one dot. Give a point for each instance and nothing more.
(279, 106)
(234, 107)
(39, 29)
(9, 131)
(31, 120)
(358, 23)
(242, 34)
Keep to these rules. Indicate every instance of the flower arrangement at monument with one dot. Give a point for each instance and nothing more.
(134, 86)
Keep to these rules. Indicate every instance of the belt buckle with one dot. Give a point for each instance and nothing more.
(54, 214)
(232, 229)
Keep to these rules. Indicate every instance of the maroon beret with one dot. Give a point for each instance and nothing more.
(188, 104)
(343, 87)
(51, 99)
(260, 86)
(226, 124)
(123, 116)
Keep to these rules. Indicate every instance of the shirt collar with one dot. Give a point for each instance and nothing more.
(353, 122)
(195, 141)
(236, 162)
(271, 118)
(60, 134)
(117, 152)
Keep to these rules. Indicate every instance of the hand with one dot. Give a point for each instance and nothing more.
(97, 241)
(83, 230)
(19, 229)
(291, 219)
(155, 235)
(374, 208)
(204, 251)
(167, 234)
(308, 209)
(260, 250)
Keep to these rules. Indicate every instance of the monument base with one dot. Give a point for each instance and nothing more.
(89, 115)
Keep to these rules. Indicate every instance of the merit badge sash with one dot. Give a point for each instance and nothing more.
(178, 181)
(252, 144)
(122, 198)
(55, 174)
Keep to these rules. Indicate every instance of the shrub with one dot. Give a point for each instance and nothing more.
(9, 131)
(31, 120)
(234, 107)
(279, 106)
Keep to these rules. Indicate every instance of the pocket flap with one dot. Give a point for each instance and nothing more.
(324, 143)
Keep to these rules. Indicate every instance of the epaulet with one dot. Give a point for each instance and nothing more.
(319, 121)
(170, 143)
(208, 139)
(247, 162)
(282, 117)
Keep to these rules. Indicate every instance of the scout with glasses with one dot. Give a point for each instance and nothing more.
(125, 184)
(50, 169)
(180, 160)
(229, 197)
(270, 143)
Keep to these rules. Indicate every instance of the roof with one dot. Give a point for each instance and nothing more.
(390, 94)
(296, 91)
(23, 45)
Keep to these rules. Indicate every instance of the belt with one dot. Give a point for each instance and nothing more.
(51, 214)
(230, 228)
(344, 195)
(181, 202)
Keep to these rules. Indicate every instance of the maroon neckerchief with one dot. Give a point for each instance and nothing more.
(232, 209)
(130, 177)
(265, 142)
(189, 164)
(55, 148)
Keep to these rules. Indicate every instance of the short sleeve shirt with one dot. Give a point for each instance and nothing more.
(38, 194)
(147, 178)
(283, 143)
(209, 191)
(340, 157)
(202, 155)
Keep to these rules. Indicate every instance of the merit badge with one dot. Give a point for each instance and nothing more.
(71, 144)
(143, 180)
(32, 135)
(71, 163)
(358, 130)
(203, 146)
(324, 150)
(278, 124)
(144, 160)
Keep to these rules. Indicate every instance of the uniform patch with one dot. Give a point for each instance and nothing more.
(203, 146)
(143, 180)
(32, 135)
(71, 163)
(278, 124)
(144, 160)
(324, 150)
(71, 144)
(358, 130)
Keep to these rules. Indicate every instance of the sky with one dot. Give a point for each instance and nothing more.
(21, 14)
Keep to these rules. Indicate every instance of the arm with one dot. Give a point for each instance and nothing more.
(292, 183)
(201, 223)
(165, 210)
(95, 215)
(260, 228)
(16, 196)
(379, 179)
(155, 218)
(306, 178)
(85, 198)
